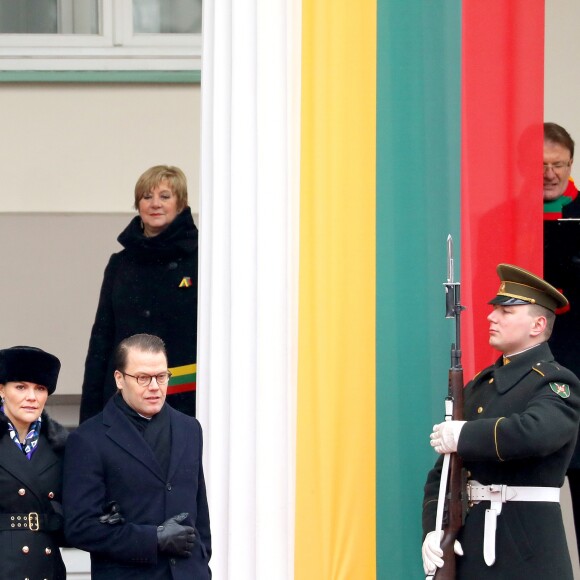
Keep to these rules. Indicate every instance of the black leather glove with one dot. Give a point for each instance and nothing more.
(111, 514)
(175, 539)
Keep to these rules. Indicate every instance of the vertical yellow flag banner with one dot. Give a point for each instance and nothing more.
(335, 462)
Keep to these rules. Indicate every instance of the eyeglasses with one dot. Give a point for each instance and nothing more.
(145, 380)
(556, 167)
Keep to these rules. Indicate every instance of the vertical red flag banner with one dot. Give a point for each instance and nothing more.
(501, 165)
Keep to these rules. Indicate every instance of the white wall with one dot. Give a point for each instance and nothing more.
(81, 148)
(562, 73)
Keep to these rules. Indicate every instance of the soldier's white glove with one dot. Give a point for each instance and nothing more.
(445, 436)
(433, 554)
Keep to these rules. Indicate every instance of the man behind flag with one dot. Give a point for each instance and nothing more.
(562, 266)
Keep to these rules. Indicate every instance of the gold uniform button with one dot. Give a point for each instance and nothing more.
(25, 549)
(480, 409)
(21, 491)
(491, 380)
(47, 551)
(51, 494)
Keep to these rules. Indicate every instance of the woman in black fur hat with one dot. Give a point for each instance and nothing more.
(31, 452)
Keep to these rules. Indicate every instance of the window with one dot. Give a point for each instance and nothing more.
(100, 34)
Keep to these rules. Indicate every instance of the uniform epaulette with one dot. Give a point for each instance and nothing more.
(545, 367)
(536, 368)
(558, 378)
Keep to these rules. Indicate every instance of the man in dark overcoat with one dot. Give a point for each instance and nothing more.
(134, 488)
(522, 416)
(562, 266)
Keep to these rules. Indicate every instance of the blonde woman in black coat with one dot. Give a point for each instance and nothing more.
(149, 287)
(31, 454)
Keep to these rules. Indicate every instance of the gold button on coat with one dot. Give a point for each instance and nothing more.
(21, 491)
(51, 494)
(47, 551)
(25, 549)
(480, 409)
(491, 380)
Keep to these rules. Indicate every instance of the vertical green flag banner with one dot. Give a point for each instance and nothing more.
(418, 197)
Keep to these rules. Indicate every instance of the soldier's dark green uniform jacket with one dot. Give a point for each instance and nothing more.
(522, 428)
(32, 486)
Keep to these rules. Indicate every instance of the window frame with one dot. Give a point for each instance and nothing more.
(115, 49)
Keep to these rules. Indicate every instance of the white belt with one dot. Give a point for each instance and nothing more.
(498, 494)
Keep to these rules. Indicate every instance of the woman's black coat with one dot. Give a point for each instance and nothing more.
(149, 287)
(35, 486)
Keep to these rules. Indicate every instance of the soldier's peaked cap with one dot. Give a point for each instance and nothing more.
(518, 286)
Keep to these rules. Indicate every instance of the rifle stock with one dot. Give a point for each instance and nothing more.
(455, 498)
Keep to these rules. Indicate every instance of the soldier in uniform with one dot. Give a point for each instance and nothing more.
(522, 416)
(31, 456)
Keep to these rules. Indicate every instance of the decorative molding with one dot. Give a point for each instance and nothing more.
(120, 76)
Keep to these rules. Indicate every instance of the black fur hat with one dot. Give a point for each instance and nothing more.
(27, 363)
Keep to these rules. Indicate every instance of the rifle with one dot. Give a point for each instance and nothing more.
(452, 502)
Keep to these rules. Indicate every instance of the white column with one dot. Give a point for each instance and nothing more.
(248, 282)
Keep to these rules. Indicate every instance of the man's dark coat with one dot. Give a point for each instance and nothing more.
(106, 460)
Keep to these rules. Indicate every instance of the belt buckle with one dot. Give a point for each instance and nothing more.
(33, 522)
(470, 502)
